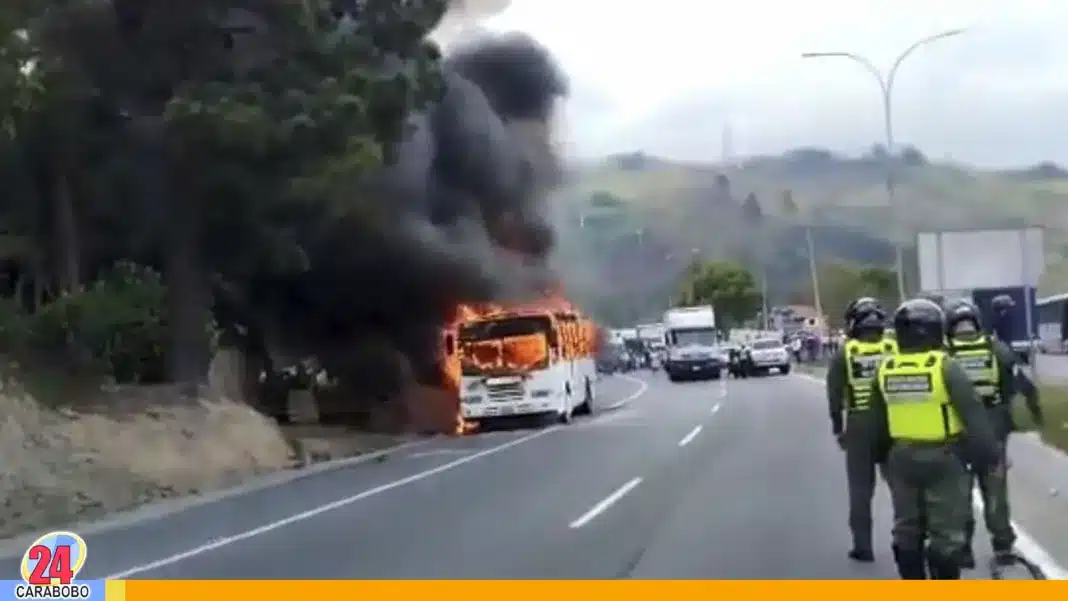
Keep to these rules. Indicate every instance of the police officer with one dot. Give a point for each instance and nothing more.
(994, 372)
(922, 405)
(849, 384)
(1002, 306)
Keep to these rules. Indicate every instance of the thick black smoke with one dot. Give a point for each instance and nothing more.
(460, 217)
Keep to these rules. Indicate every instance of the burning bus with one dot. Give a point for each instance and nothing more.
(526, 362)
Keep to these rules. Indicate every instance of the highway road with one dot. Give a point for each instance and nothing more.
(710, 480)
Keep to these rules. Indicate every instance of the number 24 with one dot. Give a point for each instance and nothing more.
(57, 565)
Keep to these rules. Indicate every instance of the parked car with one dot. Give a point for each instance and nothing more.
(769, 354)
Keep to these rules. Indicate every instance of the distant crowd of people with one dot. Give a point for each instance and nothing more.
(807, 347)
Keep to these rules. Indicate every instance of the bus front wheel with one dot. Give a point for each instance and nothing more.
(586, 408)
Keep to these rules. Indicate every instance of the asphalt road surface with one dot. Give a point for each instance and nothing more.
(709, 480)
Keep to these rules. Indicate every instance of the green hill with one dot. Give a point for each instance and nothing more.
(683, 206)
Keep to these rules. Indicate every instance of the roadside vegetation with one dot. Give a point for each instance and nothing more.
(638, 209)
(177, 178)
(1055, 408)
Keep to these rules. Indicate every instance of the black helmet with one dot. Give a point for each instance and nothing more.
(919, 325)
(851, 308)
(864, 314)
(962, 310)
(934, 297)
(1002, 302)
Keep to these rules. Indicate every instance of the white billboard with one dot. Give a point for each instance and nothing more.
(969, 259)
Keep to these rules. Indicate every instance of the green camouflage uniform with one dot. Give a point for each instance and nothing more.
(993, 484)
(929, 480)
(854, 432)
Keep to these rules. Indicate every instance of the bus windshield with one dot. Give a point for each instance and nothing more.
(505, 346)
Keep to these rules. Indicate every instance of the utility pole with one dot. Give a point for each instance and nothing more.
(813, 272)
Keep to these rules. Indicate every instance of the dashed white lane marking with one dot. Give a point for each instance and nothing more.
(1025, 543)
(605, 503)
(642, 387)
(692, 435)
(715, 408)
(304, 515)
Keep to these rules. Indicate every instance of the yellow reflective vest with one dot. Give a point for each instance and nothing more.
(917, 401)
(890, 339)
(862, 359)
(979, 361)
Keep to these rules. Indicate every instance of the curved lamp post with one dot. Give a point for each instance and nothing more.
(886, 86)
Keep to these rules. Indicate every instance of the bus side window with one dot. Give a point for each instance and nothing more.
(553, 338)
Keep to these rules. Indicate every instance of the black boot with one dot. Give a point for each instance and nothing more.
(967, 557)
(910, 563)
(943, 567)
(1003, 554)
(862, 555)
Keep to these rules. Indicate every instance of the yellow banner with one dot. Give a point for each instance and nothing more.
(516, 590)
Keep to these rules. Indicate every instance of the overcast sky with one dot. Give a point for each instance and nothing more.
(667, 76)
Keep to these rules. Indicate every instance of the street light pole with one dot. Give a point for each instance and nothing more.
(886, 86)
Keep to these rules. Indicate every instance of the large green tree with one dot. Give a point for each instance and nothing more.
(215, 139)
(728, 286)
(841, 283)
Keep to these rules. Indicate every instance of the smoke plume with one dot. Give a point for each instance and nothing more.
(460, 217)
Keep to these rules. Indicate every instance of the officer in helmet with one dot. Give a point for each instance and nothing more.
(1001, 326)
(849, 386)
(994, 372)
(1002, 306)
(924, 410)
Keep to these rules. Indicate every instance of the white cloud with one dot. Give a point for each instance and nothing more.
(665, 76)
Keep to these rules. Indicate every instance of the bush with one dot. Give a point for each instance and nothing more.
(1055, 409)
(117, 326)
(14, 326)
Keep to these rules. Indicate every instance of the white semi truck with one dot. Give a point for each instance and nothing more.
(692, 344)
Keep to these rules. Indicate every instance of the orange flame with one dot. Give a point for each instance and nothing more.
(577, 337)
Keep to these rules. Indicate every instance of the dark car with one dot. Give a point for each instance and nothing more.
(613, 358)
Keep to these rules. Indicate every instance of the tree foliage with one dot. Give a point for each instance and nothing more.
(212, 141)
(841, 283)
(729, 287)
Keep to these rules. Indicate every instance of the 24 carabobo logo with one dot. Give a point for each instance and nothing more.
(50, 566)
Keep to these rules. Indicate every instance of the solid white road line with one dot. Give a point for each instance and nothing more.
(692, 435)
(1025, 543)
(304, 515)
(607, 502)
(1027, 546)
(229, 540)
(642, 387)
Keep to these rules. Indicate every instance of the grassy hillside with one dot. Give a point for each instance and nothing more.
(700, 205)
